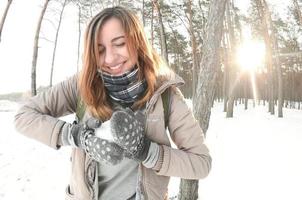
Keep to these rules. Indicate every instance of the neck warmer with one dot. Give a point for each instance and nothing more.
(125, 88)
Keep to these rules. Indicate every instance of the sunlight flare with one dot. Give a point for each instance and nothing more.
(250, 55)
(254, 86)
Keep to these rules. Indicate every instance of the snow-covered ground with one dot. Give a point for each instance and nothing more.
(255, 155)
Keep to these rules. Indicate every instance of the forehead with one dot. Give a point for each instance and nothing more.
(110, 29)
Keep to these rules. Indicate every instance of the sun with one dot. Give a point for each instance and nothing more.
(250, 55)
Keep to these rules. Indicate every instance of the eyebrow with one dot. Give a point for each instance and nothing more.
(114, 39)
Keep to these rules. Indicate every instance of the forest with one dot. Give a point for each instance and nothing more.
(224, 52)
(259, 54)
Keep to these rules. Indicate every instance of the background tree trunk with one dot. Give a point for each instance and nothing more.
(151, 24)
(225, 70)
(274, 43)
(297, 8)
(35, 51)
(204, 95)
(232, 68)
(79, 37)
(193, 45)
(56, 42)
(143, 13)
(9, 2)
(268, 57)
(164, 50)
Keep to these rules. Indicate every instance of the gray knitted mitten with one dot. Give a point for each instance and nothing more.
(82, 136)
(103, 150)
(128, 131)
(75, 134)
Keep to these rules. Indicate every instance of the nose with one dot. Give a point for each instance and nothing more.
(109, 56)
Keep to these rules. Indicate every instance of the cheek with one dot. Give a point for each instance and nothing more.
(100, 61)
(124, 52)
(133, 57)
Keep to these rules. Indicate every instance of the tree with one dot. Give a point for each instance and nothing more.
(79, 35)
(298, 11)
(204, 94)
(164, 51)
(268, 57)
(35, 50)
(231, 64)
(274, 44)
(4, 16)
(143, 13)
(226, 67)
(193, 44)
(56, 41)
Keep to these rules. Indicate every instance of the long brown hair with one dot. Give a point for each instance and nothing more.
(91, 86)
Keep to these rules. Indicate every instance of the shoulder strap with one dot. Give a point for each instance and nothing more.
(80, 110)
(166, 104)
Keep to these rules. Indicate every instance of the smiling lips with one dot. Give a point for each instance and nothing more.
(116, 66)
(116, 69)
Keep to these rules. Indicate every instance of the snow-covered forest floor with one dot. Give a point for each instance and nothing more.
(256, 156)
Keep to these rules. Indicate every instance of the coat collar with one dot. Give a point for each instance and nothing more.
(163, 82)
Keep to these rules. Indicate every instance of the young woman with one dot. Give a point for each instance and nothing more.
(121, 82)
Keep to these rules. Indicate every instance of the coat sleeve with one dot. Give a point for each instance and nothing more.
(191, 159)
(37, 118)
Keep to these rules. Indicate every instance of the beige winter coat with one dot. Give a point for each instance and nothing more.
(38, 119)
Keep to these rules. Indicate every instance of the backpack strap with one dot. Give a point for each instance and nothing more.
(165, 96)
(80, 110)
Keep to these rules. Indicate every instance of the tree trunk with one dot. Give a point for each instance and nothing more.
(245, 91)
(210, 64)
(56, 42)
(152, 27)
(164, 50)
(297, 8)
(274, 43)
(232, 69)
(35, 51)
(188, 190)
(176, 58)
(226, 72)
(79, 37)
(9, 2)
(204, 95)
(143, 13)
(193, 44)
(268, 57)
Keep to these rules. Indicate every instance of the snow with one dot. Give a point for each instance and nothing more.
(255, 156)
(104, 131)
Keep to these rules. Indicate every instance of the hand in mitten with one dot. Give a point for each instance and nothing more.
(103, 150)
(76, 133)
(128, 130)
(82, 135)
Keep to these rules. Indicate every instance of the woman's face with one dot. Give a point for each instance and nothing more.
(114, 57)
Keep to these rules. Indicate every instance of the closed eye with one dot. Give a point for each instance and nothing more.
(120, 44)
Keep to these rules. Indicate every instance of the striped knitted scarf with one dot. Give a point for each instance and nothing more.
(125, 88)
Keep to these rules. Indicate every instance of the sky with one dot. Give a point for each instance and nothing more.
(255, 156)
(16, 47)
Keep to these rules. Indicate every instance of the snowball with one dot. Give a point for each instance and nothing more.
(104, 131)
